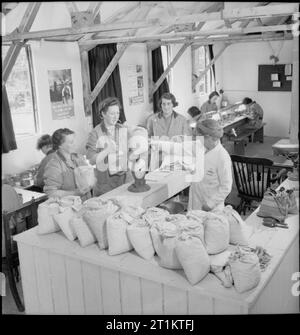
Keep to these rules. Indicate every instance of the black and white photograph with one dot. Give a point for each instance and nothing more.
(61, 93)
(150, 162)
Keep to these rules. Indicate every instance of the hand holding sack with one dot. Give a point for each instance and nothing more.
(85, 178)
(237, 226)
(245, 270)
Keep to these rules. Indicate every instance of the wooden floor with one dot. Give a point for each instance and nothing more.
(252, 149)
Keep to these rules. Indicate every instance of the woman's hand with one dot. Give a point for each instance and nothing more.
(110, 147)
(206, 208)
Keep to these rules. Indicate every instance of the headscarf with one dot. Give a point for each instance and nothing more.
(210, 127)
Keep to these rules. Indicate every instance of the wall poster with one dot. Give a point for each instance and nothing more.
(61, 94)
(135, 80)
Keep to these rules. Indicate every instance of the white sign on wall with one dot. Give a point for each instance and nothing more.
(135, 82)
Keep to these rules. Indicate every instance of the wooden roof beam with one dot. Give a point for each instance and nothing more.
(190, 34)
(245, 13)
(15, 48)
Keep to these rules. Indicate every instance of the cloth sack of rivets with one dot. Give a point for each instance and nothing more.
(46, 211)
(139, 235)
(245, 270)
(96, 221)
(63, 219)
(237, 226)
(85, 177)
(164, 235)
(274, 204)
(216, 230)
(192, 256)
(154, 214)
(82, 231)
(118, 241)
(70, 201)
(219, 266)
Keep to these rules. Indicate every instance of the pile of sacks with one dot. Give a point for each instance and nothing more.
(196, 243)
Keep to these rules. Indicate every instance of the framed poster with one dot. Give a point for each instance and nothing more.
(61, 94)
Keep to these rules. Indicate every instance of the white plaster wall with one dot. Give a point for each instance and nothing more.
(239, 79)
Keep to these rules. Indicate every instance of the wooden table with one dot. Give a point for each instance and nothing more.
(60, 277)
(28, 195)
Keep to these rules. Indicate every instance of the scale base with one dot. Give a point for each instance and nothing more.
(138, 187)
(293, 176)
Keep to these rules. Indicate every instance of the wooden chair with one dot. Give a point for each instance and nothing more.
(252, 177)
(15, 222)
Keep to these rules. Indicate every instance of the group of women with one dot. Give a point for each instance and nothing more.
(56, 171)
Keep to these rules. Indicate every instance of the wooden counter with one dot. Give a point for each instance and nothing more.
(60, 277)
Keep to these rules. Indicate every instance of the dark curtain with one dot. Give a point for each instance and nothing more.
(8, 135)
(99, 59)
(213, 71)
(157, 71)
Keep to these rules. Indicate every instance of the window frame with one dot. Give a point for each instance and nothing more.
(208, 78)
(28, 53)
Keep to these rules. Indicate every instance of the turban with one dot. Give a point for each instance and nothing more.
(210, 127)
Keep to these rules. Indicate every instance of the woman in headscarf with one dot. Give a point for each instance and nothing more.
(212, 190)
(254, 112)
(59, 176)
(104, 143)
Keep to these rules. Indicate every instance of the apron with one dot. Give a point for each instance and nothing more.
(106, 181)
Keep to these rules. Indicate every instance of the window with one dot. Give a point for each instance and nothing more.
(200, 60)
(21, 95)
(166, 56)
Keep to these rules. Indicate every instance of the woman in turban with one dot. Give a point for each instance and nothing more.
(216, 184)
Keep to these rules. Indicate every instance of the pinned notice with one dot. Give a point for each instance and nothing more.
(288, 69)
(274, 77)
(276, 84)
(289, 78)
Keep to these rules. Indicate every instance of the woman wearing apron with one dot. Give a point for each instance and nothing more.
(59, 177)
(104, 142)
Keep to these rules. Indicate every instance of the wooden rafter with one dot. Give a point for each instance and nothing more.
(71, 6)
(234, 39)
(119, 14)
(192, 34)
(86, 82)
(15, 48)
(265, 11)
(107, 72)
(245, 23)
(150, 73)
(203, 73)
(168, 69)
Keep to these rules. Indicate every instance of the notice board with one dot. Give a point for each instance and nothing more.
(281, 74)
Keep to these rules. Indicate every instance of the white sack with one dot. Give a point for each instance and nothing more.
(118, 241)
(237, 226)
(63, 219)
(193, 257)
(140, 237)
(45, 212)
(82, 231)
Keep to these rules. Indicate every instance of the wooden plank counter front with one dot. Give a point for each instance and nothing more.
(60, 277)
